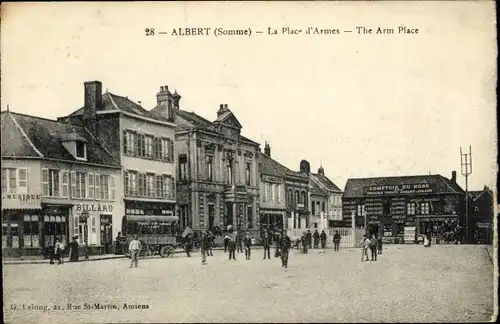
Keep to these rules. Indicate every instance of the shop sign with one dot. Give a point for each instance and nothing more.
(93, 207)
(21, 201)
(404, 189)
(483, 225)
(268, 178)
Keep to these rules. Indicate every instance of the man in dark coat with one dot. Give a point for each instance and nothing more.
(304, 242)
(210, 242)
(336, 241)
(309, 239)
(248, 246)
(188, 245)
(323, 239)
(266, 243)
(316, 239)
(232, 248)
(204, 244)
(239, 241)
(285, 244)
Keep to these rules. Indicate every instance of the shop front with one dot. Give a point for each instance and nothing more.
(271, 220)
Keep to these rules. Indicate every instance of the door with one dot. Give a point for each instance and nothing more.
(106, 233)
(211, 216)
(229, 214)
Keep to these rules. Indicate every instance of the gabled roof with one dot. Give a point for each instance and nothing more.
(476, 194)
(326, 182)
(355, 187)
(46, 137)
(14, 142)
(112, 101)
(316, 190)
(228, 118)
(268, 166)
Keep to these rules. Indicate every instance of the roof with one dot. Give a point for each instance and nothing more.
(112, 101)
(326, 182)
(355, 187)
(28, 135)
(185, 119)
(316, 190)
(475, 195)
(269, 166)
(297, 174)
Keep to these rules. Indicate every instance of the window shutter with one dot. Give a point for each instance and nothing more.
(125, 143)
(45, 182)
(73, 184)
(125, 183)
(97, 186)
(112, 188)
(170, 150)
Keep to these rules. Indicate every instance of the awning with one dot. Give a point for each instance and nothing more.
(151, 218)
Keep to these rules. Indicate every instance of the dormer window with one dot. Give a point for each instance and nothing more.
(80, 150)
(76, 145)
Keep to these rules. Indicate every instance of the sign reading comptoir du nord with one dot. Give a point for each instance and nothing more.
(404, 189)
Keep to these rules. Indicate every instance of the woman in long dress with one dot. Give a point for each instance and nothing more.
(73, 250)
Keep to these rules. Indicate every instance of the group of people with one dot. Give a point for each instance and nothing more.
(370, 243)
(58, 251)
(305, 241)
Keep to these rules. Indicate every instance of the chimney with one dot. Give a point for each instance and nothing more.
(454, 176)
(267, 150)
(166, 101)
(93, 98)
(222, 109)
(321, 170)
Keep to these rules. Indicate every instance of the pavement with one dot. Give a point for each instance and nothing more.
(408, 283)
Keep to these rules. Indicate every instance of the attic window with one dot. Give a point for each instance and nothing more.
(80, 150)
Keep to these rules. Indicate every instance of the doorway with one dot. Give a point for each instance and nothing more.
(211, 216)
(106, 233)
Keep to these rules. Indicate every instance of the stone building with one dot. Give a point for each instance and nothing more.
(217, 167)
(481, 213)
(57, 181)
(141, 141)
(297, 201)
(272, 192)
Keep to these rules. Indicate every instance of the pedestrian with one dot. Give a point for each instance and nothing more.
(226, 241)
(188, 245)
(266, 243)
(135, 249)
(316, 239)
(248, 246)
(365, 245)
(210, 242)
(73, 249)
(379, 245)
(239, 241)
(336, 241)
(118, 244)
(373, 247)
(62, 248)
(285, 249)
(304, 242)
(232, 248)
(57, 251)
(204, 245)
(277, 253)
(86, 250)
(309, 239)
(322, 238)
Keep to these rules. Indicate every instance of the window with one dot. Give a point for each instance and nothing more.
(210, 160)
(183, 167)
(313, 205)
(129, 143)
(164, 149)
(361, 210)
(266, 191)
(80, 150)
(290, 196)
(149, 146)
(304, 198)
(15, 180)
(65, 184)
(248, 173)
(112, 187)
(31, 231)
(249, 217)
(410, 208)
(151, 192)
(168, 186)
(424, 208)
(90, 189)
(130, 183)
(97, 186)
(80, 187)
(281, 189)
(22, 180)
(273, 191)
(50, 183)
(323, 207)
(297, 198)
(104, 195)
(12, 180)
(230, 175)
(159, 187)
(142, 184)
(158, 149)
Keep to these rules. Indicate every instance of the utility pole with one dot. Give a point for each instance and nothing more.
(466, 169)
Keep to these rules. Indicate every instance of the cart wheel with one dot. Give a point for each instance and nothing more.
(147, 253)
(167, 251)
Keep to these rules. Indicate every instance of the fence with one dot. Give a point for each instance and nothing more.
(349, 237)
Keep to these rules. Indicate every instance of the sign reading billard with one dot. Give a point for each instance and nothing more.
(404, 189)
(22, 201)
(93, 207)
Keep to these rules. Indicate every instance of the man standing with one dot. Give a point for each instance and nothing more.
(373, 247)
(248, 246)
(226, 242)
(232, 248)
(336, 241)
(188, 245)
(365, 245)
(285, 248)
(309, 239)
(323, 239)
(239, 241)
(267, 246)
(210, 242)
(135, 249)
(316, 239)
(204, 246)
(304, 242)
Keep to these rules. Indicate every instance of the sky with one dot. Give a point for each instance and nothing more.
(360, 105)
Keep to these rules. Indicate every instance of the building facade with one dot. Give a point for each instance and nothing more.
(272, 192)
(481, 211)
(297, 201)
(402, 209)
(141, 141)
(217, 169)
(57, 181)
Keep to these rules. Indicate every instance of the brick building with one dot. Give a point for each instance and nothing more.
(481, 213)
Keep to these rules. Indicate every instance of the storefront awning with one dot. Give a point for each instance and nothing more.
(11, 201)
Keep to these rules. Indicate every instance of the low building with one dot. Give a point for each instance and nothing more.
(481, 213)
(57, 181)
(402, 209)
(272, 192)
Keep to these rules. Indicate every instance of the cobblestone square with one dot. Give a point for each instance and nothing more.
(408, 283)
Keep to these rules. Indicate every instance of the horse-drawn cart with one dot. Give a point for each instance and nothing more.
(156, 234)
